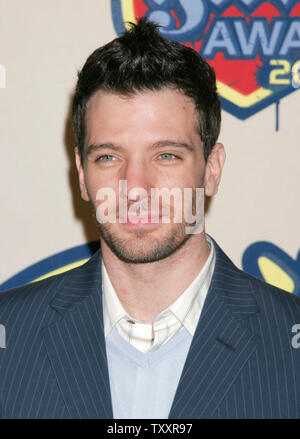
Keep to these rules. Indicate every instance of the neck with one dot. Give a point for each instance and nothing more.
(145, 290)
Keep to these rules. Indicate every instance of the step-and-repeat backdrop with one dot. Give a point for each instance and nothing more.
(254, 47)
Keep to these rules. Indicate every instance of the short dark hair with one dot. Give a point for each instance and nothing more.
(142, 60)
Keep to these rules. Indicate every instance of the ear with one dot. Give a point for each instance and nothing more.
(213, 169)
(81, 176)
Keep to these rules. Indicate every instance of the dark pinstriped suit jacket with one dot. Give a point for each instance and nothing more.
(241, 363)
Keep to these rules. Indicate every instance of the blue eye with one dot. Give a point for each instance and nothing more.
(168, 156)
(103, 158)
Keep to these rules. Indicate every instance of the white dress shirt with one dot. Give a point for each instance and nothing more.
(183, 313)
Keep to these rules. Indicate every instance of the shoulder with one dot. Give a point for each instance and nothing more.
(48, 286)
(26, 310)
(272, 299)
(271, 291)
(38, 295)
(248, 288)
(28, 305)
(43, 287)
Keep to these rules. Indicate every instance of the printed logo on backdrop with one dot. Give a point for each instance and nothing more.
(268, 262)
(53, 265)
(253, 45)
(261, 259)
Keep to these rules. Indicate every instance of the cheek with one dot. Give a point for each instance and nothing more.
(96, 182)
(92, 184)
(188, 179)
(94, 179)
(179, 180)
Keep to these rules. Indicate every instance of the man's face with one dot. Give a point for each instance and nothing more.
(150, 140)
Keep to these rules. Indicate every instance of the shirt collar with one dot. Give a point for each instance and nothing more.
(113, 310)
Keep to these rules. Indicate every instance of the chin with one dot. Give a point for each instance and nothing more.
(144, 247)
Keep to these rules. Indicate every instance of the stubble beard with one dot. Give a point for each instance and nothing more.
(141, 247)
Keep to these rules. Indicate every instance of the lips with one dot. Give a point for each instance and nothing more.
(132, 219)
(137, 220)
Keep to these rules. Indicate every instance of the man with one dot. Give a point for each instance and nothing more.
(159, 323)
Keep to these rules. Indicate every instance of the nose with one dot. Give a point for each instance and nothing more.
(137, 177)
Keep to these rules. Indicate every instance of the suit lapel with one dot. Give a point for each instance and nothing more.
(221, 346)
(76, 345)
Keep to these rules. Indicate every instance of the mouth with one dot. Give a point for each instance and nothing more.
(140, 221)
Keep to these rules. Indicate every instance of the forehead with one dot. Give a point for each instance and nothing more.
(164, 95)
(163, 110)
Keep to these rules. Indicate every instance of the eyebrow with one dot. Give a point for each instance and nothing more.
(95, 147)
(189, 147)
(162, 143)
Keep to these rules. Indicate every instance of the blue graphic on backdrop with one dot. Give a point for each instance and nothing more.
(58, 263)
(268, 262)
